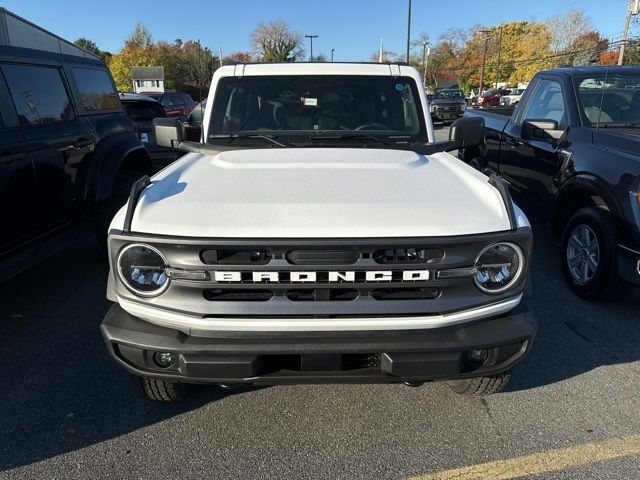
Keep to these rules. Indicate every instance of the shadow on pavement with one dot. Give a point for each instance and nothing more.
(61, 391)
(575, 335)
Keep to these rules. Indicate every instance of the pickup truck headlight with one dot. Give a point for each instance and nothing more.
(498, 267)
(142, 269)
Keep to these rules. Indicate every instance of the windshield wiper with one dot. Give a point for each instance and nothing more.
(348, 136)
(235, 136)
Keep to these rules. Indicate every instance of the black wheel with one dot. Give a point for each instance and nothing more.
(106, 209)
(162, 390)
(479, 386)
(589, 257)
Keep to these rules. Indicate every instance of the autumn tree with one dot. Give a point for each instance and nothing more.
(238, 57)
(275, 41)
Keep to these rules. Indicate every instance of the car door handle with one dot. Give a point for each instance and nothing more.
(11, 158)
(83, 142)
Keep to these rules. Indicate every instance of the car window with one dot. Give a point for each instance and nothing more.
(611, 99)
(547, 103)
(388, 106)
(96, 89)
(177, 100)
(197, 114)
(38, 94)
(188, 100)
(140, 111)
(166, 100)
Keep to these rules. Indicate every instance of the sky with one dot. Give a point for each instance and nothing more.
(352, 27)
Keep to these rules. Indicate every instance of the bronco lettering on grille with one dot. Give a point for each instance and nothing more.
(351, 276)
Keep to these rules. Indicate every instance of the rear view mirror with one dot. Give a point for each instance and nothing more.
(543, 129)
(467, 131)
(169, 132)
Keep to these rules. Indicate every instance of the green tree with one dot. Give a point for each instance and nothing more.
(88, 45)
(140, 36)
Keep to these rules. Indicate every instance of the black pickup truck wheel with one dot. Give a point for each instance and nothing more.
(589, 261)
(479, 386)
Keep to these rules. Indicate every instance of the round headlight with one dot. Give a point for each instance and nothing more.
(142, 270)
(498, 267)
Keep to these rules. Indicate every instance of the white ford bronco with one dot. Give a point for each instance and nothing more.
(318, 233)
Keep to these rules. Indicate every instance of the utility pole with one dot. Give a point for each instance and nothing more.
(332, 50)
(311, 37)
(633, 7)
(484, 60)
(498, 64)
(408, 31)
(220, 55)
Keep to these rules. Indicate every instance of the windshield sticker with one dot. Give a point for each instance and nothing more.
(399, 87)
(310, 102)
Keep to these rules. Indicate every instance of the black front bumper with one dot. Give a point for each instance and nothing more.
(320, 357)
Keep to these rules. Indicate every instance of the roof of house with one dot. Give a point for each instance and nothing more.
(147, 73)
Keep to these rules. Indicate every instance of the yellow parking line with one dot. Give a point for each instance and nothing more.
(543, 462)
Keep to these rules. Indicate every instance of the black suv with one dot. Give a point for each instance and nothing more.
(67, 148)
(142, 110)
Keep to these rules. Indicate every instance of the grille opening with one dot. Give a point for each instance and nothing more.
(349, 361)
(322, 295)
(322, 257)
(236, 295)
(406, 294)
(408, 255)
(251, 256)
(355, 361)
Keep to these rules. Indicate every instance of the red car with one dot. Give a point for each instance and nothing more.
(193, 122)
(175, 104)
(491, 98)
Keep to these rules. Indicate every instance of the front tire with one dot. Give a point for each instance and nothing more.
(589, 253)
(480, 386)
(162, 390)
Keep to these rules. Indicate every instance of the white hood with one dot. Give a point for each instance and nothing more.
(318, 193)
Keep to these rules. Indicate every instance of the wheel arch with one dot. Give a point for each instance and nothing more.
(582, 191)
(111, 155)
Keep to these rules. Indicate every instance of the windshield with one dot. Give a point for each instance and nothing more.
(307, 106)
(611, 100)
(448, 95)
(141, 111)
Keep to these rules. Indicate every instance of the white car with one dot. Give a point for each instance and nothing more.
(512, 99)
(319, 234)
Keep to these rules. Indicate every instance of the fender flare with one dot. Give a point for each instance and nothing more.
(107, 159)
(592, 183)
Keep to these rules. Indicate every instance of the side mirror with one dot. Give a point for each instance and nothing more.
(169, 132)
(467, 131)
(543, 129)
(183, 118)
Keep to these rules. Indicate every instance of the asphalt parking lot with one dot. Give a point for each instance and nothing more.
(68, 411)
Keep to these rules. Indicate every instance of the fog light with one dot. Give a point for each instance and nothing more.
(477, 356)
(164, 359)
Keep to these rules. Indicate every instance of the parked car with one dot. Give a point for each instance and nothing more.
(175, 104)
(571, 153)
(318, 234)
(193, 122)
(142, 110)
(448, 104)
(512, 98)
(67, 148)
(490, 98)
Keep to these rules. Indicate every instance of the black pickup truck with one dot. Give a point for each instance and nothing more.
(570, 152)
